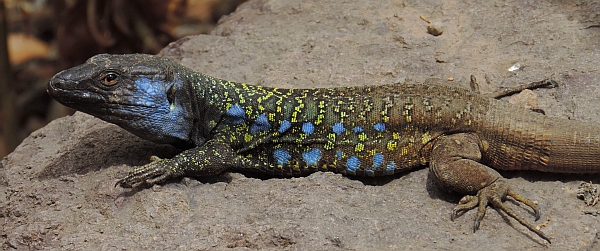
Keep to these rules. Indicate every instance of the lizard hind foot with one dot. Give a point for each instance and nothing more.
(493, 195)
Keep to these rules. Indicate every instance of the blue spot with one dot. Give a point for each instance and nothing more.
(161, 121)
(377, 160)
(281, 156)
(235, 114)
(260, 124)
(370, 172)
(339, 154)
(284, 126)
(389, 170)
(312, 156)
(352, 164)
(379, 127)
(338, 128)
(150, 91)
(308, 128)
(357, 129)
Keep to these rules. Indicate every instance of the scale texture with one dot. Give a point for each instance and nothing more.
(364, 131)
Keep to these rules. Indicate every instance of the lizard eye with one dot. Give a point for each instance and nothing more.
(110, 78)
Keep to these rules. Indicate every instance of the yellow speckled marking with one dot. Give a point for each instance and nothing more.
(425, 138)
(248, 137)
(362, 136)
(329, 145)
(391, 145)
(359, 147)
(404, 151)
(331, 137)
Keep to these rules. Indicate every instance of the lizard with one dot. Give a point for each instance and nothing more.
(462, 136)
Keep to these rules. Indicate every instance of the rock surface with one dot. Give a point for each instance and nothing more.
(57, 189)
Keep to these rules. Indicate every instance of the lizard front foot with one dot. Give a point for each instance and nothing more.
(156, 172)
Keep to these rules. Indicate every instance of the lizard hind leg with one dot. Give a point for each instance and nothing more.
(454, 163)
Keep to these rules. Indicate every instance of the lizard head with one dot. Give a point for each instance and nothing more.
(143, 94)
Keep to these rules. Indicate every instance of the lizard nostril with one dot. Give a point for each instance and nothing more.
(55, 83)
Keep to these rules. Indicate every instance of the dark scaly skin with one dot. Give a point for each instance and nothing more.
(364, 131)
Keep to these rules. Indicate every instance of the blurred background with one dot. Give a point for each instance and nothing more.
(39, 38)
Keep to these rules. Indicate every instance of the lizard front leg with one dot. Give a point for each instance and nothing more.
(454, 162)
(211, 158)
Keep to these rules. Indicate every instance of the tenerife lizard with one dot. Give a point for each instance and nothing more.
(363, 131)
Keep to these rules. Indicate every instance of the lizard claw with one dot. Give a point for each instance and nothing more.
(493, 195)
(155, 172)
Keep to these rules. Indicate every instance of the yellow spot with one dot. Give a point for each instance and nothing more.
(320, 118)
(404, 151)
(299, 107)
(408, 119)
(329, 145)
(362, 136)
(248, 137)
(391, 145)
(485, 145)
(359, 147)
(425, 138)
(322, 104)
(396, 135)
(331, 137)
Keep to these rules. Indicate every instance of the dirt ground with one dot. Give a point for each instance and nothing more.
(57, 189)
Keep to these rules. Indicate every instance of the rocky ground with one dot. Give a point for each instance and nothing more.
(57, 189)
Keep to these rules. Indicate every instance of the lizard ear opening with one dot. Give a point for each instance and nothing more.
(171, 94)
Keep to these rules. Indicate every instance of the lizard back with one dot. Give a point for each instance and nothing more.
(370, 130)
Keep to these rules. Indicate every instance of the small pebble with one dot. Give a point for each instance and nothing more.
(435, 29)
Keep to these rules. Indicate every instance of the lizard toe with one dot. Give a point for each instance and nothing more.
(465, 204)
(150, 174)
(493, 195)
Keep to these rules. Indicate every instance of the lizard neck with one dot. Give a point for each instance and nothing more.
(213, 101)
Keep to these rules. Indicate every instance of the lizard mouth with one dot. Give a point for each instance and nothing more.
(72, 96)
(77, 98)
